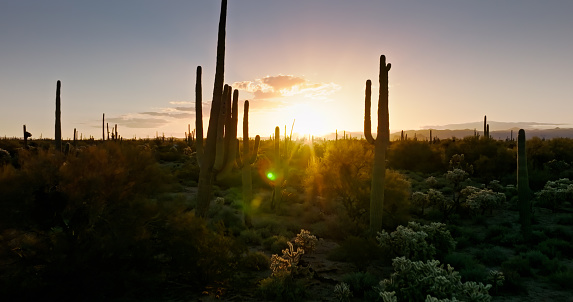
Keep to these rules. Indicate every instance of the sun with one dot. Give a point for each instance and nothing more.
(310, 119)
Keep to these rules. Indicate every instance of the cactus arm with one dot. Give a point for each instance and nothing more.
(255, 150)
(524, 192)
(221, 120)
(367, 118)
(58, 132)
(199, 116)
(383, 115)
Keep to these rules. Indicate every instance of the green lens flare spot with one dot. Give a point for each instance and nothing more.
(271, 176)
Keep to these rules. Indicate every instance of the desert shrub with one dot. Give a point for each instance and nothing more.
(342, 292)
(250, 237)
(256, 261)
(502, 235)
(275, 244)
(416, 280)
(564, 219)
(362, 285)
(276, 289)
(559, 232)
(493, 256)
(358, 251)
(518, 264)
(555, 248)
(342, 177)
(563, 279)
(230, 218)
(469, 268)
(540, 263)
(418, 242)
(285, 282)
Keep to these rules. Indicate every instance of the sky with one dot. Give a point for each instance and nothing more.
(305, 61)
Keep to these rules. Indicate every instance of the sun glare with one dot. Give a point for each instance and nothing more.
(310, 119)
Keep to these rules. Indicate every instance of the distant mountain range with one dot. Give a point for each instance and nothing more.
(498, 130)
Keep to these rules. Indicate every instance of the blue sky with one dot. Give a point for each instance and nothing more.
(452, 62)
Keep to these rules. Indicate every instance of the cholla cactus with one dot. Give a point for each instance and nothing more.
(484, 200)
(416, 280)
(431, 181)
(418, 242)
(496, 278)
(5, 157)
(421, 200)
(388, 296)
(406, 242)
(286, 265)
(306, 241)
(342, 292)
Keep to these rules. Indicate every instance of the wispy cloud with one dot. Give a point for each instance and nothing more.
(156, 118)
(136, 122)
(271, 87)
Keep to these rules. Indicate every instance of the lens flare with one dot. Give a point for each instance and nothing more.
(271, 176)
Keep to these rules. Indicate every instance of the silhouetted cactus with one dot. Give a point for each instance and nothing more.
(380, 144)
(207, 158)
(103, 128)
(485, 126)
(248, 159)
(524, 192)
(58, 132)
(26, 135)
(277, 177)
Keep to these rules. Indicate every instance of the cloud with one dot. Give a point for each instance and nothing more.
(134, 122)
(169, 114)
(181, 103)
(185, 108)
(271, 87)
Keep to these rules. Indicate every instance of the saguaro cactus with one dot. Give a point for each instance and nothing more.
(524, 192)
(277, 177)
(58, 134)
(246, 163)
(380, 144)
(26, 135)
(485, 126)
(103, 128)
(207, 158)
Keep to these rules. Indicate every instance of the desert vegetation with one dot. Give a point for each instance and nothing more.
(218, 216)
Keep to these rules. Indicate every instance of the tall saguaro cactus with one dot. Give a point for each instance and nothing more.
(524, 192)
(277, 175)
(380, 144)
(58, 133)
(248, 159)
(26, 135)
(103, 128)
(207, 156)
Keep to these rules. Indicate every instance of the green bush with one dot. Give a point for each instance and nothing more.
(415, 281)
(418, 242)
(251, 237)
(256, 261)
(282, 289)
(275, 244)
(358, 251)
(563, 279)
(362, 285)
(555, 248)
(518, 264)
(493, 256)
